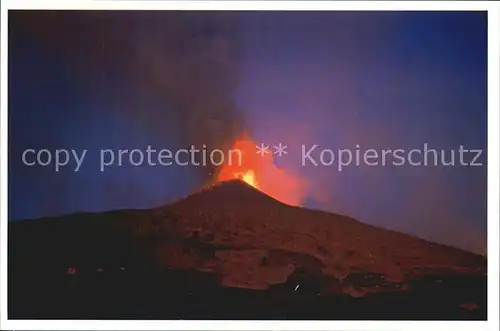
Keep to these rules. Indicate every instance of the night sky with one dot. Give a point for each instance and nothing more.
(98, 80)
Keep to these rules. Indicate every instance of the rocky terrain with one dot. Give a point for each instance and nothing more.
(231, 252)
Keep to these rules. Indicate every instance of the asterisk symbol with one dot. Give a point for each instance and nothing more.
(262, 149)
(280, 149)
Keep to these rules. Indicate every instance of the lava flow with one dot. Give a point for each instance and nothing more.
(259, 171)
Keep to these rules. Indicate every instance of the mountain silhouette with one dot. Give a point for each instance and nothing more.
(229, 251)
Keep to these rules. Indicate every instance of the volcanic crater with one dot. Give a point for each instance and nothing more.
(229, 251)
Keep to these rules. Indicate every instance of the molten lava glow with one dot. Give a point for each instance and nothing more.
(248, 177)
(260, 172)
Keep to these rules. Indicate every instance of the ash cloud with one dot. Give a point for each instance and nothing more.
(187, 60)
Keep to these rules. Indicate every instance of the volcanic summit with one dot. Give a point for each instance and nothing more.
(229, 251)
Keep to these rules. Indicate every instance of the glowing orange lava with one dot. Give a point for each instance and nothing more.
(248, 177)
(260, 172)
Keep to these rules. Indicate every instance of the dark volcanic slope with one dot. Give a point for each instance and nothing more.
(256, 257)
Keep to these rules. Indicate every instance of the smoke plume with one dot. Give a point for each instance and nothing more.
(187, 60)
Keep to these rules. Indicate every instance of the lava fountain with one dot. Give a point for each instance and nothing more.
(259, 171)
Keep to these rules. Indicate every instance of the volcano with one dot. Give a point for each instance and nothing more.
(230, 251)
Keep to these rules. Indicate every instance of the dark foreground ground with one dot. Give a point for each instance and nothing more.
(128, 294)
(210, 257)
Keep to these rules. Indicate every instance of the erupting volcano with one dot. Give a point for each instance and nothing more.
(187, 207)
(259, 171)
